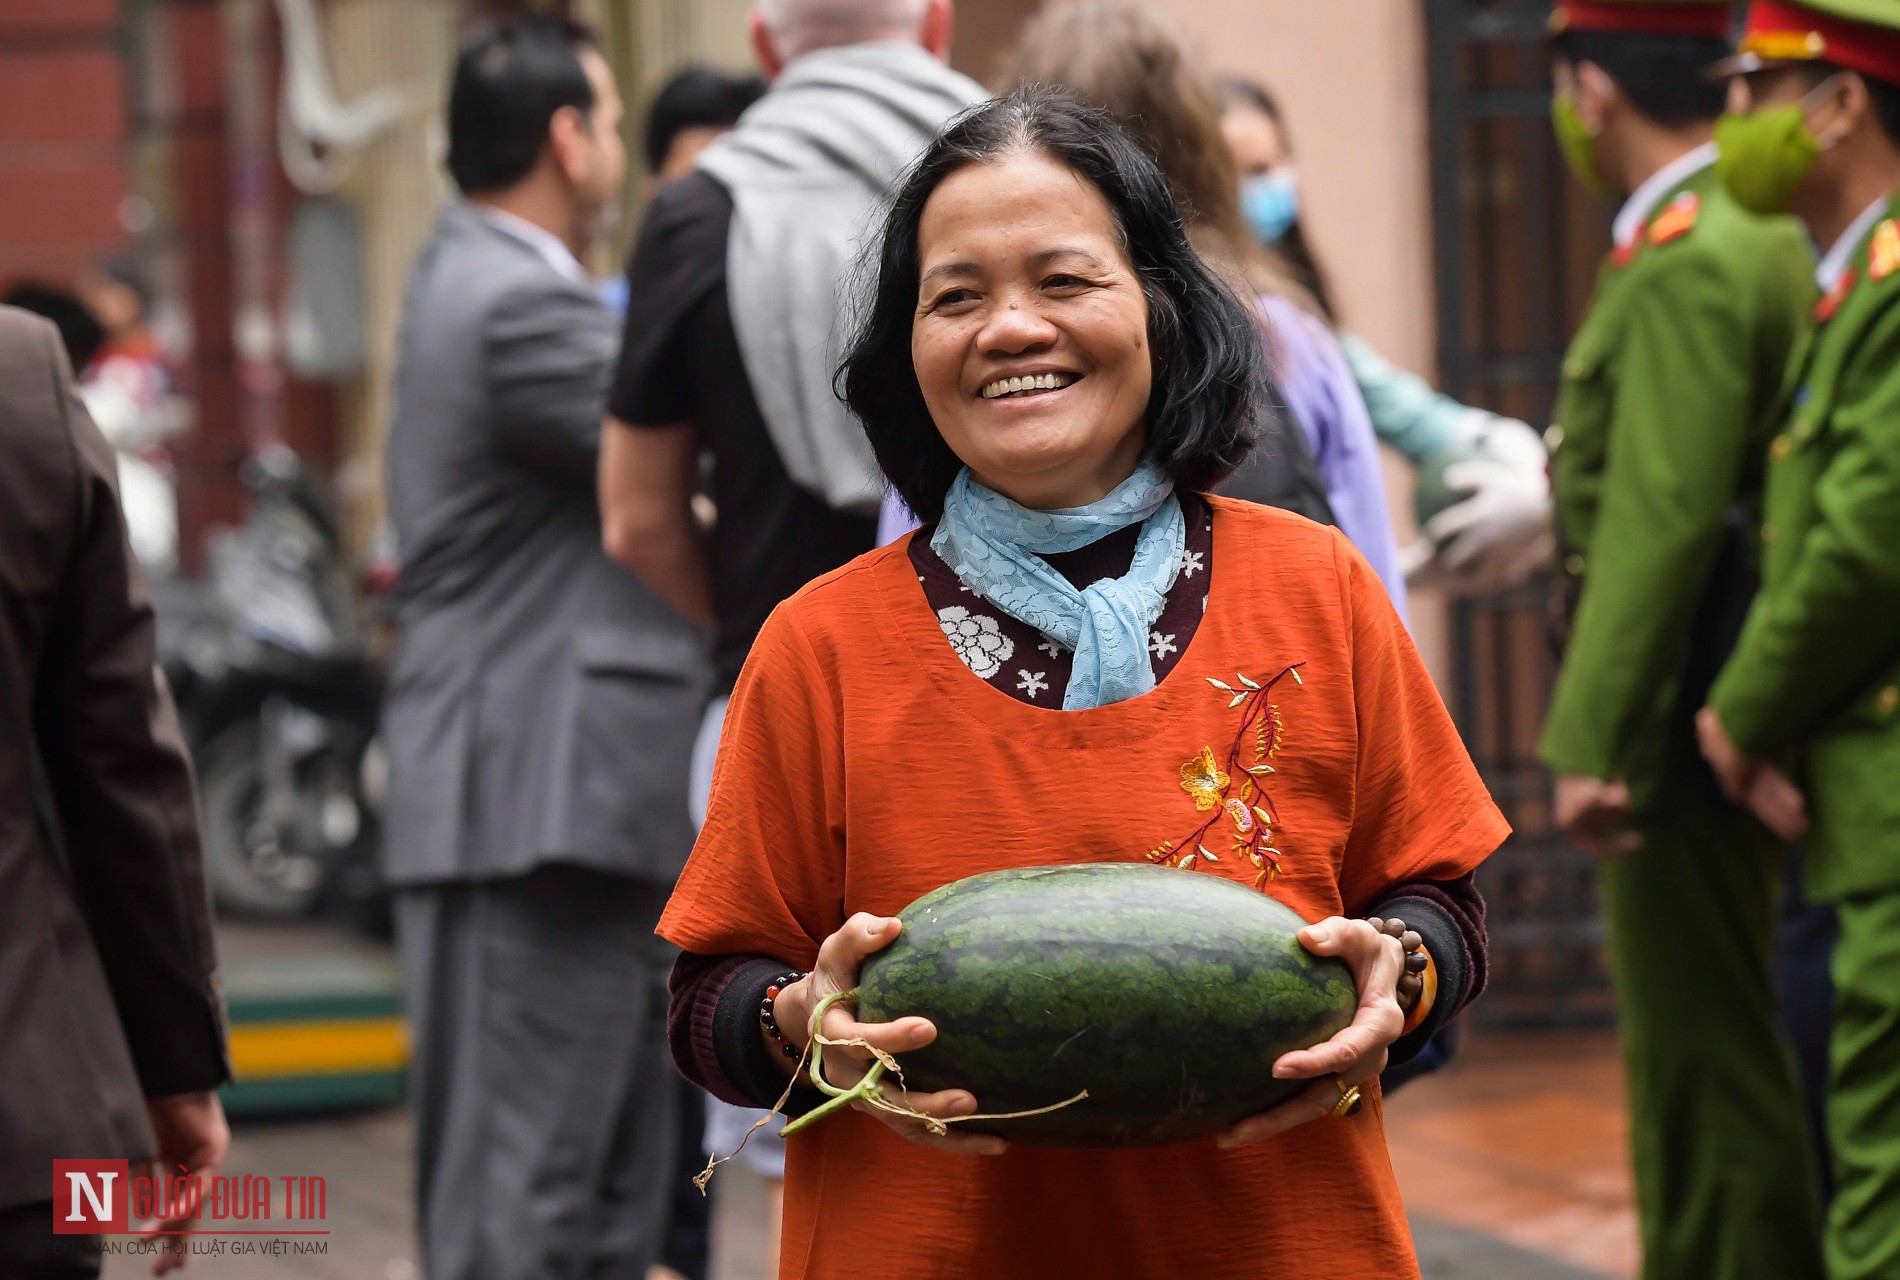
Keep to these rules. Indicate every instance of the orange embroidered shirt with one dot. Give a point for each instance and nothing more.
(863, 765)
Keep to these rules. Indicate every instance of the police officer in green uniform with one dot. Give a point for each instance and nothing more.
(1667, 403)
(1813, 684)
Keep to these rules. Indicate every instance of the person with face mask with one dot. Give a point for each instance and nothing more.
(1668, 396)
(1813, 684)
(1494, 531)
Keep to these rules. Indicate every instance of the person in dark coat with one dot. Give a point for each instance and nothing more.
(111, 1028)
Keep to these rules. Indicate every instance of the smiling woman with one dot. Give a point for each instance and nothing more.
(1032, 358)
(1051, 377)
(1084, 280)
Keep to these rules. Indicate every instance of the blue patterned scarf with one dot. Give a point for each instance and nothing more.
(995, 546)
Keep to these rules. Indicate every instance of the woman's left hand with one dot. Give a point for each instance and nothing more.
(1356, 1054)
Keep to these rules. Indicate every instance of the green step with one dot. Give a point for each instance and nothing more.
(315, 1019)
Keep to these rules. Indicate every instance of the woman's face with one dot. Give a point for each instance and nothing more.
(1254, 139)
(1031, 334)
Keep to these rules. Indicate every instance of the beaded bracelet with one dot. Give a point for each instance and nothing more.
(768, 1011)
(1420, 974)
(1427, 998)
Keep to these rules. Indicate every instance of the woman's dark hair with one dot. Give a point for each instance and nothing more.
(80, 332)
(1208, 396)
(1666, 77)
(696, 98)
(1238, 93)
(510, 78)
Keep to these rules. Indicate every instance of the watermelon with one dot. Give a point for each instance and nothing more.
(1166, 994)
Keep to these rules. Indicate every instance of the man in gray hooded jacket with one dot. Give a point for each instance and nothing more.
(737, 309)
(737, 291)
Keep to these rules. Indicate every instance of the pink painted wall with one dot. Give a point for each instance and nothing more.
(1350, 75)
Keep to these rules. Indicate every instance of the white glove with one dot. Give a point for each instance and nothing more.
(1505, 439)
(1500, 535)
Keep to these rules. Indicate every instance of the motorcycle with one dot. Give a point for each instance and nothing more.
(278, 690)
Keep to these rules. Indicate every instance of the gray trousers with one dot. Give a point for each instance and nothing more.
(544, 1101)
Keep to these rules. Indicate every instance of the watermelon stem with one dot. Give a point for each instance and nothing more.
(704, 1177)
(870, 1090)
(838, 1099)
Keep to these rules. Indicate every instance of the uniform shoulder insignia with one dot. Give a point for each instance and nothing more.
(1831, 301)
(1883, 251)
(1677, 220)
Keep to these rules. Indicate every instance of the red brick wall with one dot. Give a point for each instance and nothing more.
(56, 17)
(62, 128)
(208, 490)
(66, 121)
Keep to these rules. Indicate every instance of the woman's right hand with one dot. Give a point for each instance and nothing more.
(839, 960)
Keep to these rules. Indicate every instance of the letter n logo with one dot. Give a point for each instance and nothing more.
(89, 1197)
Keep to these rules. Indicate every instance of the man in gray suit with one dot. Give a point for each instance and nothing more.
(541, 710)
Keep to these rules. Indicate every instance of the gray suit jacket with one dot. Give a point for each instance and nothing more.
(544, 701)
(107, 994)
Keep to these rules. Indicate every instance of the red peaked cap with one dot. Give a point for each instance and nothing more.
(1646, 19)
(1782, 31)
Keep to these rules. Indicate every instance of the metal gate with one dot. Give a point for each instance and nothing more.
(1516, 247)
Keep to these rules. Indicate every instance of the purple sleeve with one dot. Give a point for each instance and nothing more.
(894, 519)
(1317, 384)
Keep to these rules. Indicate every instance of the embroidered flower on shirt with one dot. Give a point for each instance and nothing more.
(1161, 646)
(977, 638)
(1032, 683)
(1050, 647)
(1234, 787)
(1202, 778)
(1191, 563)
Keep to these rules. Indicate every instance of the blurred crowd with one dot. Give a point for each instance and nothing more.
(604, 496)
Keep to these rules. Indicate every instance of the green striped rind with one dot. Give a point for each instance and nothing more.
(1166, 994)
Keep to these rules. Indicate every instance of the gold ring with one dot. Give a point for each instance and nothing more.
(1349, 1099)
